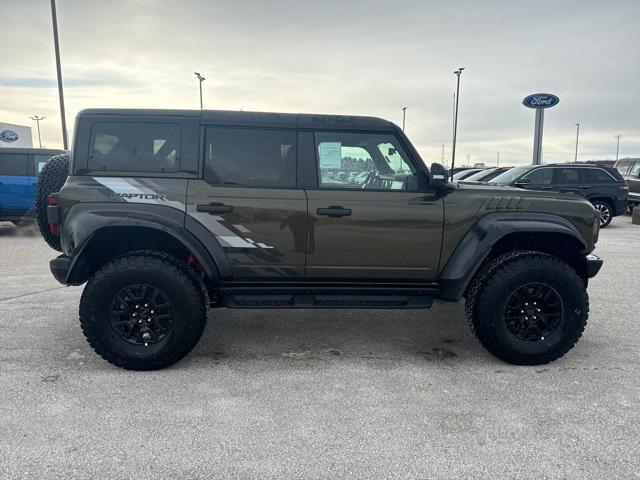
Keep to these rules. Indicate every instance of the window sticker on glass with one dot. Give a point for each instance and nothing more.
(330, 154)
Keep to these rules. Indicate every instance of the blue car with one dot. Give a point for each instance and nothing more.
(19, 169)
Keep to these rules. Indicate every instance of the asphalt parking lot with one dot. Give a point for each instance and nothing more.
(317, 394)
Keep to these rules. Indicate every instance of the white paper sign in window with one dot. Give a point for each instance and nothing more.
(330, 154)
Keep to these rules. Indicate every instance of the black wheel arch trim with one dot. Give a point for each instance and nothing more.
(476, 245)
(84, 220)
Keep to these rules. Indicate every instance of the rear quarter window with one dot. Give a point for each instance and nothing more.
(134, 147)
(597, 175)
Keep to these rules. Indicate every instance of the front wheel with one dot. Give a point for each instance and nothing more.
(144, 311)
(604, 211)
(528, 308)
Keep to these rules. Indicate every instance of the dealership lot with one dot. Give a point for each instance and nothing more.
(317, 394)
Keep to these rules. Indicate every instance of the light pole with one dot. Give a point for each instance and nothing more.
(56, 44)
(200, 79)
(404, 116)
(37, 119)
(498, 164)
(618, 146)
(457, 73)
(575, 160)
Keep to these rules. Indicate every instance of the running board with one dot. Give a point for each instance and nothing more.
(328, 296)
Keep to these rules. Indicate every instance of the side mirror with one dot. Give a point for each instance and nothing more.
(522, 182)
(439, 174)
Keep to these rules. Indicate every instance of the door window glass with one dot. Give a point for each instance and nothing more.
(635, 169)
(623, 166)
(135, 147)
(540, 176)
(251, 157)
(362, 161)
(13, 164)
(567, 176)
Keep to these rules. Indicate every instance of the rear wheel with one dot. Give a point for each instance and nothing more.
(605, 210)
(144, 311)
(50, 180)
(527, 308)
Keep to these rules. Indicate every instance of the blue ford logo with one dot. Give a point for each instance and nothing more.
(8, 136)
(541, 100)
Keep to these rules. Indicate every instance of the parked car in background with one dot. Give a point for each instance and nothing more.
(629, 168)
(465, 174)
(19, 169)
(603, 186)
(487, 175)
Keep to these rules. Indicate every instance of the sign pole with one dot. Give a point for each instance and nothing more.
(537, 137)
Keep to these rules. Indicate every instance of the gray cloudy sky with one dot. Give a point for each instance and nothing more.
(344, 57)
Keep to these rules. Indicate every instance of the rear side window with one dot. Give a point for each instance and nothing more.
(39, 162)
(596, 175)
(13, 164)
(623, 166)
(250, 157)
(135, 147)
(567, 176)
(635, 169)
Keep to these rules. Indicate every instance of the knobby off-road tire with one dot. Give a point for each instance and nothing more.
(50, 180)
(144, 293)
(504, 315)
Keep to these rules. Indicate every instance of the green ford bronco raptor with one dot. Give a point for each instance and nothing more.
(167, 214)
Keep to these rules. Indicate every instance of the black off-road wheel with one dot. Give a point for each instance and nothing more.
(144, 311)
(50, 180)
(605, 212)
(527, 308)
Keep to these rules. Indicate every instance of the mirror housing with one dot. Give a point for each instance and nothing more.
(439, 174)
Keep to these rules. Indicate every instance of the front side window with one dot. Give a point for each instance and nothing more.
(540, 176)
(362, 161)
(14, 164)
(135, 147)
(635, 169)
(623, 166)
(250, 157)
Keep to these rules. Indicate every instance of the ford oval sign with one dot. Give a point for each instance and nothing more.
(8, 136)
(541, 100)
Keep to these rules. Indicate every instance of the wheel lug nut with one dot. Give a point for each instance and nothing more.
(146, 304)
(139, 321)
(151, 311)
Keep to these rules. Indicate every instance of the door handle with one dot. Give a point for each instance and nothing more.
(215, 208)
(584, 186)
(334, 212)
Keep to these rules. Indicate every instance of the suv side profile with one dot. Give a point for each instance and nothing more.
(19, 169)
(166, 215)
(603, 186)
(629, 168)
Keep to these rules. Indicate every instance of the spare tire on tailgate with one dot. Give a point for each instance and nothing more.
(51, 180)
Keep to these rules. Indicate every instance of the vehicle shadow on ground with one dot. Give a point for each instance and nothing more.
(436, 335)
(10, 230)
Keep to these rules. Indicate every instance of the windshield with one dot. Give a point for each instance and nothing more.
(508, 177)
(479, 176)
(461, 175)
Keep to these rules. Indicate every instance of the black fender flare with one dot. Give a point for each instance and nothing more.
(84, 220)
(476, 245)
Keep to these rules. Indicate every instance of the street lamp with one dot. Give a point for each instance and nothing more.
(404, 116)
(457, 73)
(56, 44)
(618, 146)
(575, 160)
(200, 79)
(37, 119)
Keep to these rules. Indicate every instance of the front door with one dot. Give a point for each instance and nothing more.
(367, 219)
(249, 203)
(14, 189)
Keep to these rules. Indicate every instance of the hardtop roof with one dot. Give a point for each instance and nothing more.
(259, 119)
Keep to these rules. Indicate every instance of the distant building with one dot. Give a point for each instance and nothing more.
(15, 136)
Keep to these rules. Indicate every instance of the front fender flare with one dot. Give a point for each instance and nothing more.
(476, 245)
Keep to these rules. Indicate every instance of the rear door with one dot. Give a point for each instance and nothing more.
(14, 196)
(367, 218)
(248, 202)
(568, 180)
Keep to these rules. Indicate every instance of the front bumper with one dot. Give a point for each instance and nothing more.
(594, 264)
(60, 268)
